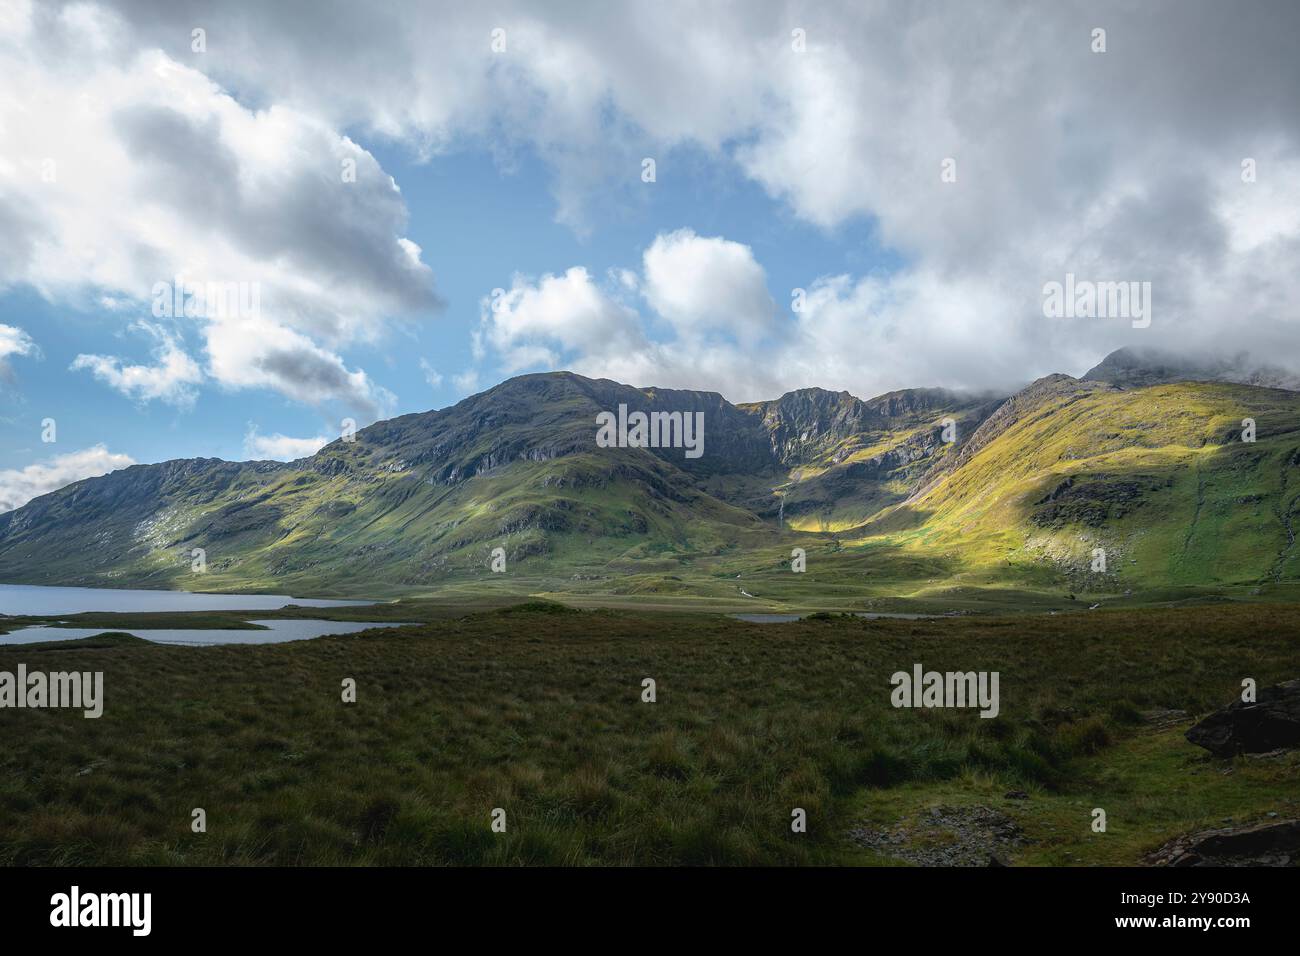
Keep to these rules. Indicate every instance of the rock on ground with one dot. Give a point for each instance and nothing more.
(1262, 844)
(1271, 722)
(947, 836)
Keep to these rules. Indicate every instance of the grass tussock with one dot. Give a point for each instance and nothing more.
(540, 713)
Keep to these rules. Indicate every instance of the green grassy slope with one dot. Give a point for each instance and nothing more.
(890, 516)
(1157, 477)
(421, 501)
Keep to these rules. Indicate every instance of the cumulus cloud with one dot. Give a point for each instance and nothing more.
(172, 379)
(248, 353)
(708, 294)
(20, 485)
(13, 341)
(702, 285)
(281, 447)
(188, 186)
(542, 322)
(865, 334)
(1123, 165)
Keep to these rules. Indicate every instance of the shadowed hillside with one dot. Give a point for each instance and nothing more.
(887, 497)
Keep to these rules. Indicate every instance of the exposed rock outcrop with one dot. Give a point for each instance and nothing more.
(1270, 722)
(1276, 843)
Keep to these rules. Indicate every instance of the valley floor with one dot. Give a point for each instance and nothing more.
(538, 710)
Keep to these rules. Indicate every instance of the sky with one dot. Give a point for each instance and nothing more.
(411, 202)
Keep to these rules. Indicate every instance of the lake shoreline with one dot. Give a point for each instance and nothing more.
(44, 613)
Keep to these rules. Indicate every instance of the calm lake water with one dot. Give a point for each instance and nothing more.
(37, 601)
(280, 632)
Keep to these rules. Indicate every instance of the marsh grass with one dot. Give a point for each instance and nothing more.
(539, 711)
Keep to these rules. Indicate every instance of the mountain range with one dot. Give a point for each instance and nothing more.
(922, 495)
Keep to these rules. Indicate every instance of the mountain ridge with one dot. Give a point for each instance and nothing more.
(894, 492)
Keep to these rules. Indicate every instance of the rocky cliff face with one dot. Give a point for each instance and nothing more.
(809, 424)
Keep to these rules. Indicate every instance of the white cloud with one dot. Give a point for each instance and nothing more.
(249, 353)
(696, 287)
(15, 17)
(707, 284)
(281, 447)
(172, 379)
(184, 180)
(14, 341)
(431, 374)
(466, 382)
(867, 334)
(540, 322)
(1123, 165)
(19, 486)
(1116, 166)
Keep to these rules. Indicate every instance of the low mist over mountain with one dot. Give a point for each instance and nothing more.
(1151, 463)
(1130, 368)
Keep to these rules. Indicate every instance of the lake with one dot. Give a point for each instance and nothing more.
(38, 601)
(280, 631)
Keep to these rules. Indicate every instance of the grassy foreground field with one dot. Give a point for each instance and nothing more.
(538, 710)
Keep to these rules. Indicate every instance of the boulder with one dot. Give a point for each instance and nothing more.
(1263, 844)
(1271, 722)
